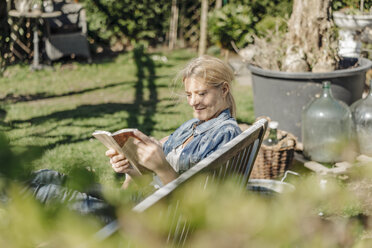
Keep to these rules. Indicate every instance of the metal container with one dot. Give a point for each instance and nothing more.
(271, 187)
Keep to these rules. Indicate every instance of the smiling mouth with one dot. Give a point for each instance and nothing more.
(199, 109)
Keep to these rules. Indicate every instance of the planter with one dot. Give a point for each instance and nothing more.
(282, 95)
(352, 22)
(350, 44)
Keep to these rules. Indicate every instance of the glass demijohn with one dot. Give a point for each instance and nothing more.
(326, 127)
(361, 112)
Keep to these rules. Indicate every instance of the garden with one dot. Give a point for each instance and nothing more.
(137, 49)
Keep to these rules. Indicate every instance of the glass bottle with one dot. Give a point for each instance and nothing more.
(326, 127)
(273, 135)
(361, 112)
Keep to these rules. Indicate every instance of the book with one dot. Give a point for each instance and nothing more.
(122, 142)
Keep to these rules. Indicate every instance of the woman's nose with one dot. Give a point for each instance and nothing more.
(194, 100)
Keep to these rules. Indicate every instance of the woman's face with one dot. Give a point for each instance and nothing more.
(206, 101)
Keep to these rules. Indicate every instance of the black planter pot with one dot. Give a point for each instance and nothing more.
(282, 95)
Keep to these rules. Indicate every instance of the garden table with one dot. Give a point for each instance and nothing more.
(38, 16)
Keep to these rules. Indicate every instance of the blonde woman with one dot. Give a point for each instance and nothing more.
(207, 81)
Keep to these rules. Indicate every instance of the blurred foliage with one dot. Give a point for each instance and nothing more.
(316, 214)
(25, 223)
(126, 21)
(238, 20)
(16, 163)
(323, 211)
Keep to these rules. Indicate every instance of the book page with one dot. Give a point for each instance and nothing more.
(107, 140)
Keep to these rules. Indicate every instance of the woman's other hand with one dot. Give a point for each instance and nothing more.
(151, 155)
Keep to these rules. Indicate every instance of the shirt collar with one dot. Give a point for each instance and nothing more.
(205, 126)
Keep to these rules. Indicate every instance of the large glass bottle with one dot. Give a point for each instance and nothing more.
(326, 127)
(361, 112)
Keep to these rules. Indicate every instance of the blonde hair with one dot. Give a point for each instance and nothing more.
(214, 72)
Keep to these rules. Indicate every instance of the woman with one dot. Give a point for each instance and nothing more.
(207, 82)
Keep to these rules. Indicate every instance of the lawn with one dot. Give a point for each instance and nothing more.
(57, 110)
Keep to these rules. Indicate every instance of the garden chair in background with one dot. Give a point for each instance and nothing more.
(67, 34)
(235, 158)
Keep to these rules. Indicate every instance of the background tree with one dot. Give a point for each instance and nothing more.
(311, 38)
(4, 35)
(203, 27)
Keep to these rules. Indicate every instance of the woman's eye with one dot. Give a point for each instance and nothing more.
(202, 93)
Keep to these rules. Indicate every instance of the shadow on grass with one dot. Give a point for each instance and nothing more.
(144, 63)
(81, 112)
(141, 111)
(44, 95)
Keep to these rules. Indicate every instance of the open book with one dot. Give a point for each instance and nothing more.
(122, 142)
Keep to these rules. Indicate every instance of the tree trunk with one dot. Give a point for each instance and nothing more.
(218, 4)
(182, 15)
(203, 27)
(4, 35)
(173, 25)
(310, 37)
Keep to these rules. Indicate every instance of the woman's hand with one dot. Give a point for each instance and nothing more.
(119, 162)
(151, 155)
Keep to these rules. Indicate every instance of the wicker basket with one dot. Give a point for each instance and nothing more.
(273, 161)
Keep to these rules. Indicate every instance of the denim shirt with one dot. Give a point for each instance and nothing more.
(208, 137)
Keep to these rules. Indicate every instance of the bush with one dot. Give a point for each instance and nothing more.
(126, 21)
(232, 23)
(238, 21)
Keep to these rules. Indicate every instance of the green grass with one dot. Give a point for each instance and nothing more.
(57, 110)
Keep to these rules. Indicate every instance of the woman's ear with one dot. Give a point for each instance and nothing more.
(225, 88)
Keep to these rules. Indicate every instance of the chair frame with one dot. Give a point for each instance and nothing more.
(233, 150)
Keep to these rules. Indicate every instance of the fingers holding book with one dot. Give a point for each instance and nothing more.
(149, 151)
(119, 162)
(151, 155)
(146, 139)
(111, 152)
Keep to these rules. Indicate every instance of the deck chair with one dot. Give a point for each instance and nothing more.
(67, 34)
(236, 157)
